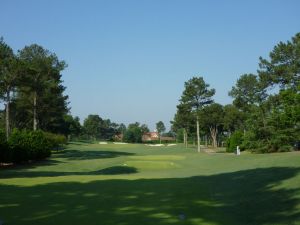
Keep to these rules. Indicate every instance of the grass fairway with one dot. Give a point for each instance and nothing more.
(136, 184)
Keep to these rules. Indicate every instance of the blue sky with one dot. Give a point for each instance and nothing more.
(128, 60)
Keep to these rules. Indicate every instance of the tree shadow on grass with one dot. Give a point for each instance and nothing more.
(237, 198)
(29, 165)
(89, 154)
(81, 142)
(114, 170)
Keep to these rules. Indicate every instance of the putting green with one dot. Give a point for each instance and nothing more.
(158, 157)
(152, 165)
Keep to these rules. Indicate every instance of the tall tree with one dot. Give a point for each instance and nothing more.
(249, 95)
(247, 92)
(196, 95)
(160, 127)
(121, 130)
(8, 79)
(234, 119)
(272, 120)
(42, 85)
(92, 126)
(144, 128)
(72, 126)
(184, 121)
(133, 133)
(214, 122)
(283, 68)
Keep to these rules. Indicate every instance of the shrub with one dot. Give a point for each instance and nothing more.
(261, 147)
(24, 145)
(285, 148)
(18, 146)
(234, 140)
(56, 141)
(250, 141)
(40, 145)
(28, 145)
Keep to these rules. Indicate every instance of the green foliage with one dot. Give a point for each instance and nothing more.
(272, 120)
(121, 128)
(211, 119)
(56, 141)
(28, 145)
(249, 141)
(72, 126)
(184, 119)
(179, 135)
(233, 118)
(144, 128)
(236, 139)
(25, 145)
(285, 148)
(160, 127)
(133, 133)
(197, 93)
(31, 88)
(40, 89)
(247, 92)
(282, 69)
(97, 128)
(92, 126)
(195, 96)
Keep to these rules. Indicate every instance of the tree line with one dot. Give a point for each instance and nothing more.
(96, 128)
(264, 115)
(32, 89)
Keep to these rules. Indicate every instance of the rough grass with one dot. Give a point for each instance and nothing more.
(137, 184)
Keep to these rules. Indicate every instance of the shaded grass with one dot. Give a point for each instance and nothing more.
(92, 154)
(114, 170)
(244, 197)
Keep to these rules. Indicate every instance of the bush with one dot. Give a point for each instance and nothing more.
(234, 140)
(57, 141)
(28, 145)
(24, 145)
(285, 148)
(250, 141)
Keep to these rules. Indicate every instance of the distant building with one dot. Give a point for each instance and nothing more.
(150, 136)
(118, 137)
(154, 136)
(167, 138)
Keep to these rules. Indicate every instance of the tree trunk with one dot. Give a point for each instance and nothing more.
(35, 111)
(214, 134)
(198, 134)
(184, 138)
(7, 118)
